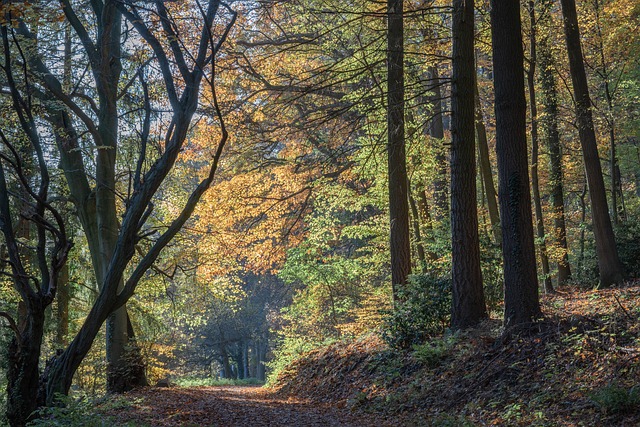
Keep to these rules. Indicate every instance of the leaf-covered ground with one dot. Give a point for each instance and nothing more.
(227, 406)
(578, 367)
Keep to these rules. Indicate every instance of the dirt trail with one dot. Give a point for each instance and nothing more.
(231, 406)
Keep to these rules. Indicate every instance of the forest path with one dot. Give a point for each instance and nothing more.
(230, 406)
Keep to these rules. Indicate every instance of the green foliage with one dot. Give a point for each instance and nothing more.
(492, 278)
(431, 353)
(614, 399)
(422, 310)
(77, 413)
(288, 351)
(628, 242)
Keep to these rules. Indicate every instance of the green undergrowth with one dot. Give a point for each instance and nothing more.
(81, 412)
(212, 382)
(580, 366)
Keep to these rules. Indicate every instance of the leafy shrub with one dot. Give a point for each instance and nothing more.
(422, 310)
(614, 399)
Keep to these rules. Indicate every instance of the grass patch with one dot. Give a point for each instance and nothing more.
(211, 382)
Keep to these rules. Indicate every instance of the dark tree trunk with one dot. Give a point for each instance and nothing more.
(23, 372)
(611, 269)
(485, 170)
(468, 306)
(520, 279)
(400, 244)
(550, 103)
(535, 186)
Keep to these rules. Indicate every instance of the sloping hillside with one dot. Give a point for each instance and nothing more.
(578, 367)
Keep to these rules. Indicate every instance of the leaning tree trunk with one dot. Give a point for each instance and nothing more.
(521, 298)
(468, 306)
(484, 162)
(611, 269)
(400, 241)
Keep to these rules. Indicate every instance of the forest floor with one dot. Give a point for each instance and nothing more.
(232, 406)
(580, 366)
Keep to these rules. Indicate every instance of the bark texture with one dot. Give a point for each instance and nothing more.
(468, 307)
(520, 279)
(398, 192)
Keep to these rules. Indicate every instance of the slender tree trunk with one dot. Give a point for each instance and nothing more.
(611, 269)
(245, 357)
(468, 307)
(261, 346)
(415, 221)
(484, 163)
(535, 186)
(550, 103)
(583, 221)
(520, 279)
(400, 242)
(610, 119)
(425, 217)
(436, 131)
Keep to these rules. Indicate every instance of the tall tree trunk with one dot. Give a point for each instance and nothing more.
(468, 306)
(550, 120)
(400, 242)
(535, 186)
(520, 279)
(611, 269)
(484, 163)
(436, 131)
